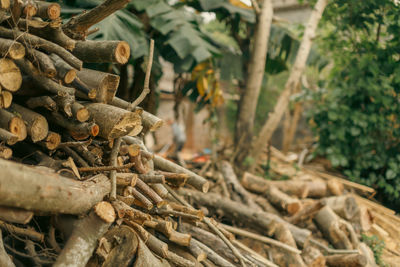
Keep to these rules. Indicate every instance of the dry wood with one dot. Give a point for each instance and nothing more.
(330, 225)
(307, 211)
(144, 257)
(64, 71)
(180, 238)
(150, 193)
(47, 10)
(6, 98)
(60, 194)
(160, 189)
(64, 103)
(125, 211)
(188, 210)
(113, 162)
(105, 84)
(42, 81)
(123, 252)
(42, 62)
(37, 42)
(150, 122)
(79, 112)
(78, 130)
(5, 260)
(313, 257)
(11, 49)
(352, 260)
(80, 246)
(51, 142)
(345, 206)
(140, 199)
(13, 124)
(5, 4)
(196, 247)
(194, 180)
(102, 51)
(8, 137)
(179, 261)
(78, 26)
(127, 179)
(10, 75)
(42, 101)
(106, 168)
(297, 69)
(119, 123)
(28, 9)
(23, 232)
(5, 152)
(15, 215)
(335, 187)
(282, 200)
(152, 178)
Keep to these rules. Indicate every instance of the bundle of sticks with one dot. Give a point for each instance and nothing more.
(78, 186)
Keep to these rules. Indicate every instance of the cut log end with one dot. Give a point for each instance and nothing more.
(5, 152)
(53, 11)
(18, 128)
(8, 137)
(6, 99)
(30, 10)
(10, 75)
(122, 52)
(95, 130)
(5, 4)
(39, 129)
(16, 51)
(52, 140)
(70, 76)
(105, 211)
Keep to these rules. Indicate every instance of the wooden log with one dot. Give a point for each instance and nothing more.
(51, 142)
(43, 82)
(152, 178)
(83, 91)
(119, 122)
(140, 199)
(194, 180)
(13, 124)
(307, 211)
(282, 200)
(48, 192)
(196, 247)
(123, 252)
(180, 238)
(42, 101)
(184, 209)
(345, 206)
(5, 152)
(64, 103)
(78, 26)
(5, 4)
(150, 122)
(237, 192)
(80, 112)
(80, 246)
(178, 260)
(145, 257)
(42, 62)
(37, 42)
(11, 49)
(47, 10)
(351, 260)
(150, 193)
(126, 179)
(125, 211)
(329, 224)
(64, 70)
(36, 125)
(313, 257)
(160, 189)
(335, 187)
(8, 137)
(10, 75)
(5, 260)
(78, 130)
(28, 9)
(23, 232)
(15, 215)
(5, 99)
(102, 51)
(106, 84)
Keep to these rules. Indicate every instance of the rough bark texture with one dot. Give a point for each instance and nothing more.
(106, 84)
(102, 51)
(5, 260)
(298, 67)
(249, 98)
(48, 192)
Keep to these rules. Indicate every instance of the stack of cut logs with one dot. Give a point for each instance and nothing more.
(67, 143)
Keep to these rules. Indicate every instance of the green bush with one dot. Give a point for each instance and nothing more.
(357, 116)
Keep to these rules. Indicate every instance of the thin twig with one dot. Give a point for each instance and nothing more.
(113, 162)
(106, 168)
(74, 144)
(331, 250)
(211, 225)
(146, 88)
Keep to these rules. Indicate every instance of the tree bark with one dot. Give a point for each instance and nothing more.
(313, 257)
(249, 98)
(298, 67)
(42, 62)
(15, 215)
(64, 70)
(11, 49)
(102, 51)
(13, 124)
(106, 84)
(345, 206)
(47, 10)
(5, 99)
(83, 240)
(352, 260)
(48, 192)
(5, 260)
(10, 75)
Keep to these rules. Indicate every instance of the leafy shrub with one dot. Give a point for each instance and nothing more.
(357, 117)
(376, 246)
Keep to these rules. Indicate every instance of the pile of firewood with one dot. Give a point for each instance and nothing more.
(78, 187)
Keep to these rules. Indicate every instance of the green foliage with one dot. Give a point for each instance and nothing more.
(357, 116)
(377, 245)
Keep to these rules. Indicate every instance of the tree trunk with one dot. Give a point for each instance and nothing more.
(249, 98)
(298, 67)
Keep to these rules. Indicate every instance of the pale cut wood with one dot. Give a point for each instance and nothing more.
(36, 125)
(352, 260)
(51, 141)
(61, 195)
(10, 75)
(79, 112)
(345, 206)
(47, 10)
(13, 124)
(6, 99)
(282, 200)
(106, 84)
(11, 49)
(105, 211)
(119, 122)
(5, 152)
(64, 71)
(125, 211)
(83, 241)
(313, 257)
(297, 70)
